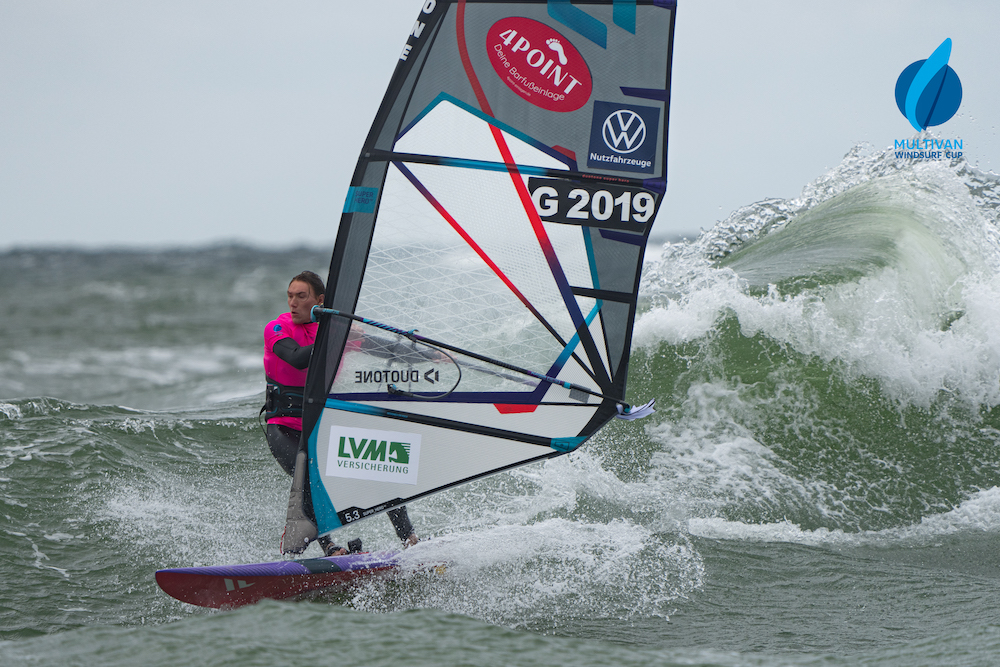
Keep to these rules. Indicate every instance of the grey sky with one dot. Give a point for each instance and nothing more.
(137, 123)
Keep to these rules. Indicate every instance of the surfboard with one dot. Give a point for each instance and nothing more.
(231, 586)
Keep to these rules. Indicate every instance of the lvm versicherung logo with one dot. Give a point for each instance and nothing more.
(383, 456)
(373, 454)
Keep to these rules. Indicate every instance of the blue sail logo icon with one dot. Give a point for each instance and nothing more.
(929, 92)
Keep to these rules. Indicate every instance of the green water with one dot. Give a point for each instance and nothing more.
(818, 485)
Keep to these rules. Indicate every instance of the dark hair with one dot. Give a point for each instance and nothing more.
(309, 278)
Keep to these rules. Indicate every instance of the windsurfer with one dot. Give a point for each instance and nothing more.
(288, 343)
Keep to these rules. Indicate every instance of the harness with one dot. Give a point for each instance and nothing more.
(282, 400)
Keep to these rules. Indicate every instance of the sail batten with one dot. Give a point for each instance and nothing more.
(500, 207)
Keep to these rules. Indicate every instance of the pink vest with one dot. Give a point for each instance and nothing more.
(277, 369)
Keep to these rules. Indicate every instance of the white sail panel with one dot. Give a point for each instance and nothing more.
(484, 211)
(445, 456)
(451, 131)
(442, 285)
(571, 251)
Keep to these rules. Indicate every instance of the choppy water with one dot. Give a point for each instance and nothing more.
(818, 487)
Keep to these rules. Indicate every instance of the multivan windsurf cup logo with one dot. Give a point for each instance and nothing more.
(380, 456)
(928, 93)
(623, 137)
(539, 64)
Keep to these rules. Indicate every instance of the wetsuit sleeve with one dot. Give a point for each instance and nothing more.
(295, 355)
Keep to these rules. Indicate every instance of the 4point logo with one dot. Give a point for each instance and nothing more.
(929, 92)
(539, 64)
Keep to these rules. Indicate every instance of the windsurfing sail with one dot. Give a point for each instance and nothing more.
(482, 290)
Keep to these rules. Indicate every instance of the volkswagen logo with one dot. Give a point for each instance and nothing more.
(624, 131)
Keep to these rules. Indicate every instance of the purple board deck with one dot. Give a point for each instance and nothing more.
(229, 586)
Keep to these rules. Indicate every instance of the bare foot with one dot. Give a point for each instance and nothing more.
(557, 46)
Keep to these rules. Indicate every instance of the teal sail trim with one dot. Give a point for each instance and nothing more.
(567, 444)
(360, 408)
(491, 166)
(559, 444)
(575, 340)
(624, 14)
(354, 407)
(326, 515)
(361, 200)
(579, 21)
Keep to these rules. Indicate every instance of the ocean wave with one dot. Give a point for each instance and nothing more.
(884, 266)
(980, 513)
(829, 363)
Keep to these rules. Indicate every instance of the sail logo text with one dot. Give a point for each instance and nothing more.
(610, 206)
(431, 376)
(623, 137)
(928, 149)
(418, 28)
(381, 456)
(539, 64)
